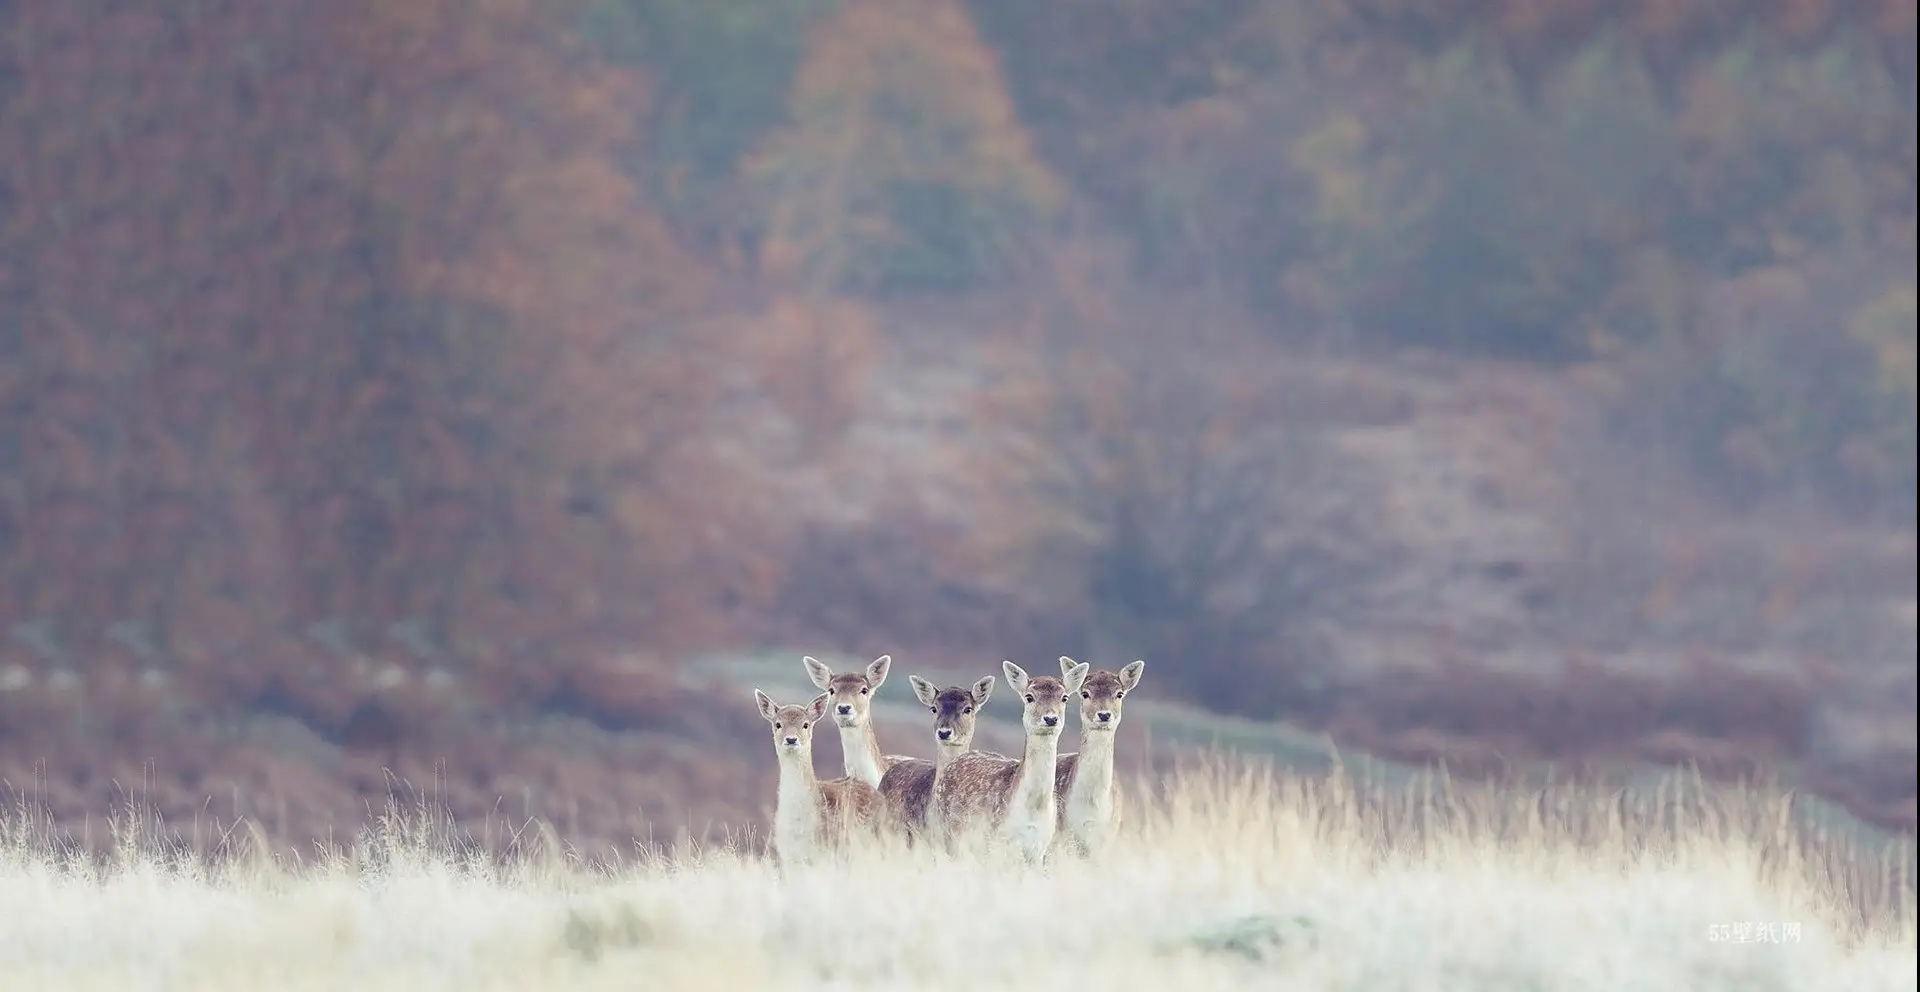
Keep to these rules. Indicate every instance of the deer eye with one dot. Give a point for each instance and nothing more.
(1120, 695)
(805, 726)
(935, 710)
(1084, 694)
(863, 692)
(1029, 697)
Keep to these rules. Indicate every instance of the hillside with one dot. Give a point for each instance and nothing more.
(1502, 604)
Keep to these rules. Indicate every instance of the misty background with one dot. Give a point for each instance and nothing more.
(483, 394)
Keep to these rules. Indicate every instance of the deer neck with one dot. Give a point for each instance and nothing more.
(861, 750)
(943, 755)
(1093, 773)
(799, 790)
(1036, 771)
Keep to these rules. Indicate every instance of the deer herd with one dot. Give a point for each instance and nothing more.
(1030, 803)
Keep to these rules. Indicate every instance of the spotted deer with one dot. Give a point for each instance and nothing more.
(811, 815)
(908, 787)
(1012, 798)
(1083, 781)
(851, 708)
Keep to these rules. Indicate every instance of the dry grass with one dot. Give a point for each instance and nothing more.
(1226, 876)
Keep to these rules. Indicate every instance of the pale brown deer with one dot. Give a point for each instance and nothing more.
(811, 815)
(851, 709)
(1083, 782)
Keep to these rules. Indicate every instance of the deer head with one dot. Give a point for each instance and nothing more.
(851, 692)
(792, 726)
(1043, 697)
(1103, 694)
(954, 709)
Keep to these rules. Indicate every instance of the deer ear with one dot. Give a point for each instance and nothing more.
(877, 671)
(1016, 676)
(821, 675)
(818, 708)
(1066, 665)
(982, 690)
(1075, 676)
(923, 689)
(1130, 675)
(766, 705)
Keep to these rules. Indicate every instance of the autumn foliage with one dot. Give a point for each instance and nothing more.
(341, 340)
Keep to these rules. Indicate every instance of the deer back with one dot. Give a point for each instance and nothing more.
(977, 786)
(907, 790)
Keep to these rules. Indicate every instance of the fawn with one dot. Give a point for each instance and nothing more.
(851, 707)
(1014, 797)
(908, 787)
(1089, 804)
(811, 815)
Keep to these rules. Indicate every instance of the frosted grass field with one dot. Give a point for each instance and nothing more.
(1225, 877)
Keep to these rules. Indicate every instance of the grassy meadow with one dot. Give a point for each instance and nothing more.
(1226, 875)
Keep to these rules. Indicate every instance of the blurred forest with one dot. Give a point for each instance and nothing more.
(431, 384)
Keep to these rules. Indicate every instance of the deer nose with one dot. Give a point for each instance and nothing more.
(943, 733)
(846, 709)
(1050, 720)
(793, 740)
(1104, 716)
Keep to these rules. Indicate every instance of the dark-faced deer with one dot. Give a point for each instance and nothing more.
(908, 787)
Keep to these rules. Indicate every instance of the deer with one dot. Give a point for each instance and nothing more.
(1083, 781)
(908, 787)
(1015, 798)
(851, 708)
(811, 815)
